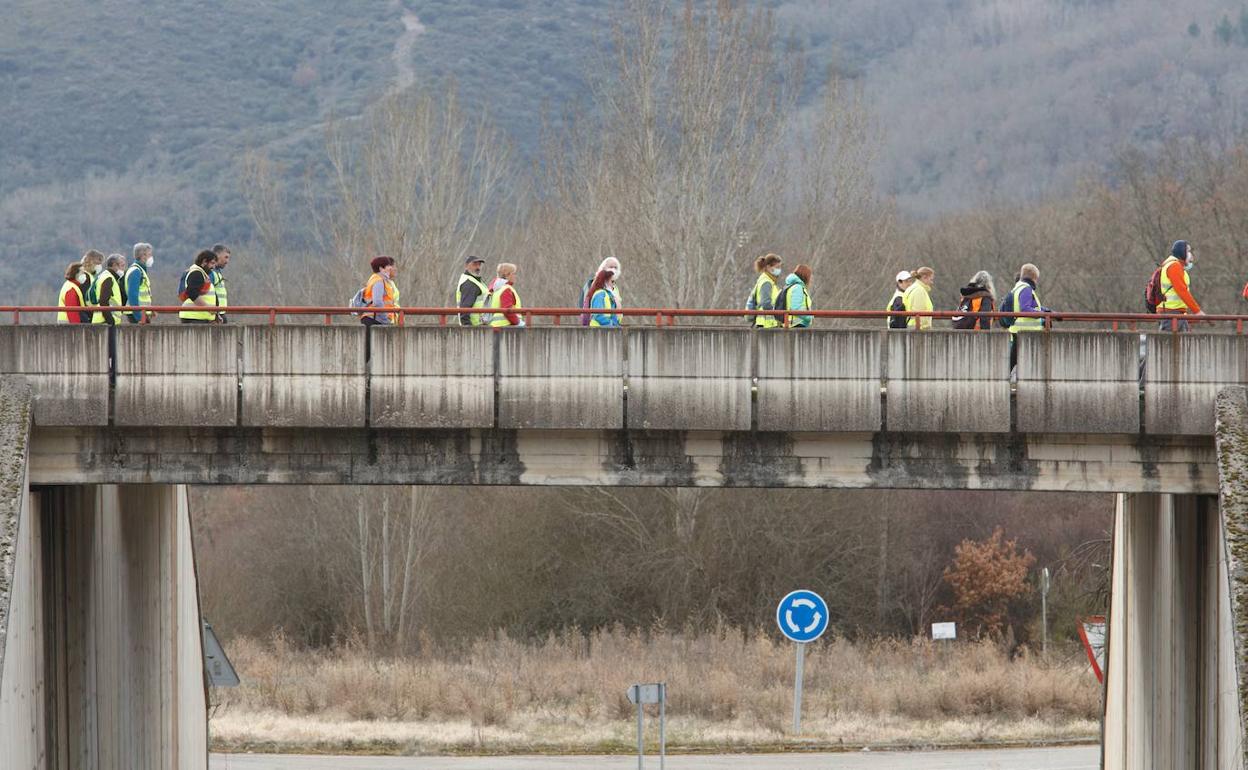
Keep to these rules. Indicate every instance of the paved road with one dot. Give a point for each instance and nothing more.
(1066, 758)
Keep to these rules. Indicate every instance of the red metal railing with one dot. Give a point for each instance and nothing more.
(661, 316)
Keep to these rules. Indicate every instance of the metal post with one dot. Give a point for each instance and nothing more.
(641, 746)
(1044, 612)
(797, 689)
(662, 725)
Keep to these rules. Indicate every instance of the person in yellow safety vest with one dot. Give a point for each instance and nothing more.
(897, 302)
(766, 287)
(199, 295)
(504, 299)
(92, 265)
(72, 296)
(381, 291)
(1024, 299)
(471, 291)
(1176, 287)
(109, 291)
(138, 285)
(604, 298)
(218, 278)
(918, 298)
(796, 296)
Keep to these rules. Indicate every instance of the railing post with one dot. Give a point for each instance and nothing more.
(17, 317)
(272, 316)
(442, 320)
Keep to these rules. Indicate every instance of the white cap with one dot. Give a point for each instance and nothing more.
(904, 275)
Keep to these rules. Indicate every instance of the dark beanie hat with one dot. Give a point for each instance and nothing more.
(1179, 250)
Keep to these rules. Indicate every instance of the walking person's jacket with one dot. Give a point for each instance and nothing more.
(138, 290)
(1025, 300)
(504, 298)
(71, 296)
(897, 303)
(109, 292)
(380, 292)
(796, 296)
(976, 299)
(1176, 288)
(763, 298)
(470, 292)
(604, 299)
(918, 298)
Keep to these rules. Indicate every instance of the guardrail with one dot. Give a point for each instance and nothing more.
(661, 316)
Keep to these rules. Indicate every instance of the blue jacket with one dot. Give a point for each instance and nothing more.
(795, 299)
(603, 299)
(134, 278)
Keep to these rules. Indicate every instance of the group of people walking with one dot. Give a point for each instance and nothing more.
(99, 282)
(96, 281)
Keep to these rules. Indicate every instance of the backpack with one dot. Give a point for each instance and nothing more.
(897, 321)
(1007, 306)
(968, 305)
(1153, 296)
(782, 303)
(357, 300)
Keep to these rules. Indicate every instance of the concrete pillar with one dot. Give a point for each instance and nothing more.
(1171, 695)
(106, 663)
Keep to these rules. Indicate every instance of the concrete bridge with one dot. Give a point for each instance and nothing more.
(99, 636)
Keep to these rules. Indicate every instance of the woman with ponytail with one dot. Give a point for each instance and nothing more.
(766, 288)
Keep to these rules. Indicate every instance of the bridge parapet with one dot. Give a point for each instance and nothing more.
(673, 379)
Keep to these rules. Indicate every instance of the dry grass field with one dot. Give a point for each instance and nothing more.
(727, 691)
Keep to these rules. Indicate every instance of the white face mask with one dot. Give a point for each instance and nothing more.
(96, 269)
(82, 277)
(776, 271)
(148, 262)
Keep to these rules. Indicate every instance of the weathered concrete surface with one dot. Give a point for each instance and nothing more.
(561, 378)
(1078, 382)
(690, 379)
(122, 659)
(177, 375)
(1231, 435)
(303, 376)
(15, 417)
(1171, 688)
(948, 382)
(624, 458)
(1184, 373)
(66, 367)
(432, 377)
(813, 381)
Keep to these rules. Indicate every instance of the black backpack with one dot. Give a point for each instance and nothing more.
(897, 321)
(1007, 306)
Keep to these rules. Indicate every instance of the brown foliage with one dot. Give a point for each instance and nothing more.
(986, 576)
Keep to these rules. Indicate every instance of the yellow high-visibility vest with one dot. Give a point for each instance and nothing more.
(500, 319)
(1025, 324)
(112, 298)
(474, 319)
(1172, 300)
(63, 317)
(765, 283)
(209, 294)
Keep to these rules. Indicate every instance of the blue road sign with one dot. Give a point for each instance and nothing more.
(802, 616)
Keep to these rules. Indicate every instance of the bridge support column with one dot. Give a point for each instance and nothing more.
(107, 670)
(1171, 688)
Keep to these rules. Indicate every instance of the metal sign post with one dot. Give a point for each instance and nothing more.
(803, 617)
(1044, 612)
(641, 694)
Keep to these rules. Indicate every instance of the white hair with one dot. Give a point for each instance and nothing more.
(983, 278)
(141, 248)
(607, 264)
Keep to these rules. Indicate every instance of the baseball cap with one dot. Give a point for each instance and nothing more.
(471, 260)
(904, 275)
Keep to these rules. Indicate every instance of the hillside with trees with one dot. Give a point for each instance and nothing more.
(124, 124)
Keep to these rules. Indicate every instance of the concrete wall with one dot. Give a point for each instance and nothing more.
(690, 379)
(561, 378)
(303, 375)
(1231, 434)
(1183, 374)
(432, 378)
(1170, 693)
(123, 663)
(1078, 382)
(21, 598)
(66, 367)
(819, 382)
(177, 375)
(948, 381)
(1087, 463)
(709, 379)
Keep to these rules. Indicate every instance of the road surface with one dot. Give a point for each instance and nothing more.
(1064, 758)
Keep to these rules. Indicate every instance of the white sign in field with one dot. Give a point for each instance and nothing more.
(944, 630)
